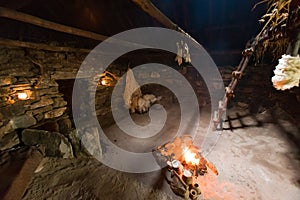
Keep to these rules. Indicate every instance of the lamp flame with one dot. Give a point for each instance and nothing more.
(103, 82)
(22, 96)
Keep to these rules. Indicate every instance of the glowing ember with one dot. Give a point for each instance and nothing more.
(22, 96)
(190, 157)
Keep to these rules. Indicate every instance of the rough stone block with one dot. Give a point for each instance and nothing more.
(59, 102)
(78, 148)
(51, 90)
(4, 59)
(46, 83)
(90, 138)
(65, 126)
(55, 143)
(5, 112)
(7, 80)
(16, 52)
(44, 101)
(64, 75)
(39, 117)
(6, 128)
(39, 110)
(55, 113)
(8, 141)
(23, 121)
(18, 71)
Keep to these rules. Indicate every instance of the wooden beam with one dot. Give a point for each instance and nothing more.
(15, 15)
(154, 12)
(40, 46)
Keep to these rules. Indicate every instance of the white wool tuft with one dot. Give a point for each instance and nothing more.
(287, 73)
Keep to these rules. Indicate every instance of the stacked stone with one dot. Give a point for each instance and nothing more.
(44, 102)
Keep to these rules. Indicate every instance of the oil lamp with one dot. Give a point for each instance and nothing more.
(22, 96)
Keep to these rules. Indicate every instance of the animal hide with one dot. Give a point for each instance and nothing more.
(135, 101)
(132, 89)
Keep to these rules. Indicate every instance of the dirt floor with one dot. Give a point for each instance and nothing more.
(257, 157)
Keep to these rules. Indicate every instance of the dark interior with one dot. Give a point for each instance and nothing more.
(64, 135)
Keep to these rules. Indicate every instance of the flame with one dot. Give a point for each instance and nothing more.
(190, 157)
(103, 82)
(22, 96)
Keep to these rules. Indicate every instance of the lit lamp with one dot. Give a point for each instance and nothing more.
(104, 82)
(107, 78)
(23, 95)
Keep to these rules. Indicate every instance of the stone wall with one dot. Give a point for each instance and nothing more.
(33, 73)
(47, 111)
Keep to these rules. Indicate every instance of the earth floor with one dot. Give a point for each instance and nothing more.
(257, 157)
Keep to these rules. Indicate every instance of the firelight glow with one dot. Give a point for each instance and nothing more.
(190, 157)
(103, 82)
(22, 96)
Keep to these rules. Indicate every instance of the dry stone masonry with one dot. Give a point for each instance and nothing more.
(46, 109)
(34, 73)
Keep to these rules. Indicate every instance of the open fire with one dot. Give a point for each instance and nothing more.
(185, 165)
(190, 157)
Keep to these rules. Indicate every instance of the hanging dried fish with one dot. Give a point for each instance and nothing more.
(186, 54)
(178, 58)
(183, 53)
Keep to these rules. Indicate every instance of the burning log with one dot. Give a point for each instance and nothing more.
(186, 164)
(212, 168)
